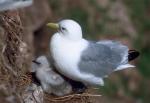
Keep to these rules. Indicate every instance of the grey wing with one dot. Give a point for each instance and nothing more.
(102, 58)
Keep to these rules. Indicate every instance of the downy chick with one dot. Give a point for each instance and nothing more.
(50, 81)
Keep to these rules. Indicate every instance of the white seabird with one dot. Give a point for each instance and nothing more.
(86, 61)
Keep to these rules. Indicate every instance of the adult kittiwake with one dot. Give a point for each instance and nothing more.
(83, 60)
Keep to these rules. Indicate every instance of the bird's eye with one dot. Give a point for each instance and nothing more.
(63, 28)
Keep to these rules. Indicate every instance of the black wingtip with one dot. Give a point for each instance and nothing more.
(132, 54)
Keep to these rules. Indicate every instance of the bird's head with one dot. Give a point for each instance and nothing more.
(68, 28)
(41, 61)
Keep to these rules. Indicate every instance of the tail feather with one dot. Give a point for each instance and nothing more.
(132, 54)
(121, 67)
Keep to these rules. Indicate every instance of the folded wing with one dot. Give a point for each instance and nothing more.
(103, 57)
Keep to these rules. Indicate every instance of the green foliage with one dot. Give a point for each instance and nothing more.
(144, 65)
(139, 11)
(110, 88)
(80, 17)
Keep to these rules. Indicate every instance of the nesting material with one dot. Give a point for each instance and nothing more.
(35, 94)
(71, 98)
(12, 62)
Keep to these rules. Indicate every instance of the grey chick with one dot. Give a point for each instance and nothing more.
(50, 81)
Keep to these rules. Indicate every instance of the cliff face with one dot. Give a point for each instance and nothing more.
(16, 48)
(12, 62)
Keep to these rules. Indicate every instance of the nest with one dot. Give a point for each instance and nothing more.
(49, 98)
(72, 98)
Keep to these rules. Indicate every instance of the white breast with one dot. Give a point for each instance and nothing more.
(66, 54)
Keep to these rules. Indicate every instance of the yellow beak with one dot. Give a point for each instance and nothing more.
(53, 25)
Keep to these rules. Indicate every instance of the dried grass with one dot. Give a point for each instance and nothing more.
(11, 63)
(72, 98)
